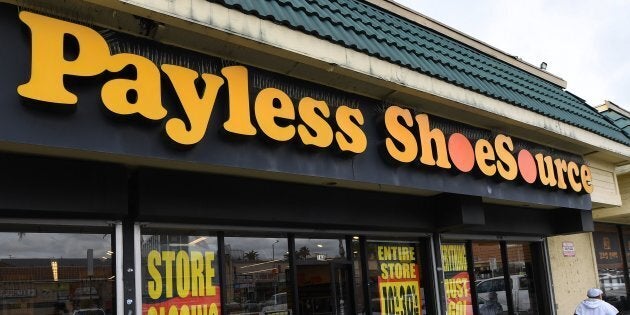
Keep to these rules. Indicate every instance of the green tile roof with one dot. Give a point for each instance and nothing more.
(619, 120)
(379, 33)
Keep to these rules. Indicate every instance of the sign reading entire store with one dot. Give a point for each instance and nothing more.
(408, 138)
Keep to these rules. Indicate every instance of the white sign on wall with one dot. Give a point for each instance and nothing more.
(568, 249)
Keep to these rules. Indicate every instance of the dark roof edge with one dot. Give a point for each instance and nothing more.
(443, 29)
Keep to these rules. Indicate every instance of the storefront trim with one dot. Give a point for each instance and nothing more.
(299, 231)
(137, 258)
(119, 266)
(474, 237)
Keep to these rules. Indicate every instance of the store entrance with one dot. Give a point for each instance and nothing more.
(324, 288)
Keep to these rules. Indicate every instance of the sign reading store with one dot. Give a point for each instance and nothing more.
(408, 137)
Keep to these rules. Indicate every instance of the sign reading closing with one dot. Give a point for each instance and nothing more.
(181, 282)
(456, 280)
(398, 280)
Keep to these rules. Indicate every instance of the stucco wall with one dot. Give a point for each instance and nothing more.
(572, 276)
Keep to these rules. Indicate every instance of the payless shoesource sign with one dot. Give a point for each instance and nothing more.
(408, 137)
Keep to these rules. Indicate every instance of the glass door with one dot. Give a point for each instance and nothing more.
(324, 274)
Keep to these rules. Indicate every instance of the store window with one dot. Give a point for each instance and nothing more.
(180, 274)
(256, 270)
(610, 265)
(490, 281)
(522, 278)
(56, 273)
(395, 285)
(489, 277)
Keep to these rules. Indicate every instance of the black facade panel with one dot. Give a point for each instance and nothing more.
(38, 186)
(170, 196)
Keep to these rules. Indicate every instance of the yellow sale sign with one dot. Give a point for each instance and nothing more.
(399, 280)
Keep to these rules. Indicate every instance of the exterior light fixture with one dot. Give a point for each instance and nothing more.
(543, 66)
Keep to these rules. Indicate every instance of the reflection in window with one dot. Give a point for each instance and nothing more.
(323, 276)
(490, 282)
(56, 273)
(610, 265)
(521, 274)
(256, 272)
(179, 272)
(320, 249)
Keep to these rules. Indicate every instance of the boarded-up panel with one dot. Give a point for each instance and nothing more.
(572, 276)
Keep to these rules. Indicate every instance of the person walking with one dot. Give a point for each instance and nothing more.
(595, 305)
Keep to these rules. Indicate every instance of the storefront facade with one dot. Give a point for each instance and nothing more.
(155, 165)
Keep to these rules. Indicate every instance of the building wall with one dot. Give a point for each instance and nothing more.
(605, 188)
(617, 214)
(624, 189)
(572, 276)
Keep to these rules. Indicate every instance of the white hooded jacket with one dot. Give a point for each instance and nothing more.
(595, 307)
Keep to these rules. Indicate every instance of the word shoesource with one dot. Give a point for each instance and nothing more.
(271, 112)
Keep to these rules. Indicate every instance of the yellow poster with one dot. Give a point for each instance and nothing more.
(456, 280)
(181, 283)
(399, 280)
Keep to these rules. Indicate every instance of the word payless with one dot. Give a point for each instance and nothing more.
(273, 110)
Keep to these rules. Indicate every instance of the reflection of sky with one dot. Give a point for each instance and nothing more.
(265, 250)
(53, 245)
(329, 247)
(265, 247)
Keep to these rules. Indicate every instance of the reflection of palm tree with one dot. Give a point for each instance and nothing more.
(303, 252)
(252, 255)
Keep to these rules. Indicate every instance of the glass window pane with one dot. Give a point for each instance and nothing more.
(256, 273)
(56, 273)
(323, 276)
(610, 265)
(320, 249)
(180, 272)
(490, 283)
(456, 279)
(394, 278)
(521, 275)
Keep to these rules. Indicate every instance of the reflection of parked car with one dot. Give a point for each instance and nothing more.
(277, 305)
(520, 291)
(612, 283)
(251, 306)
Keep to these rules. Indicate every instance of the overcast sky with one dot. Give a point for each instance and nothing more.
(586, 42)
(53, 245)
